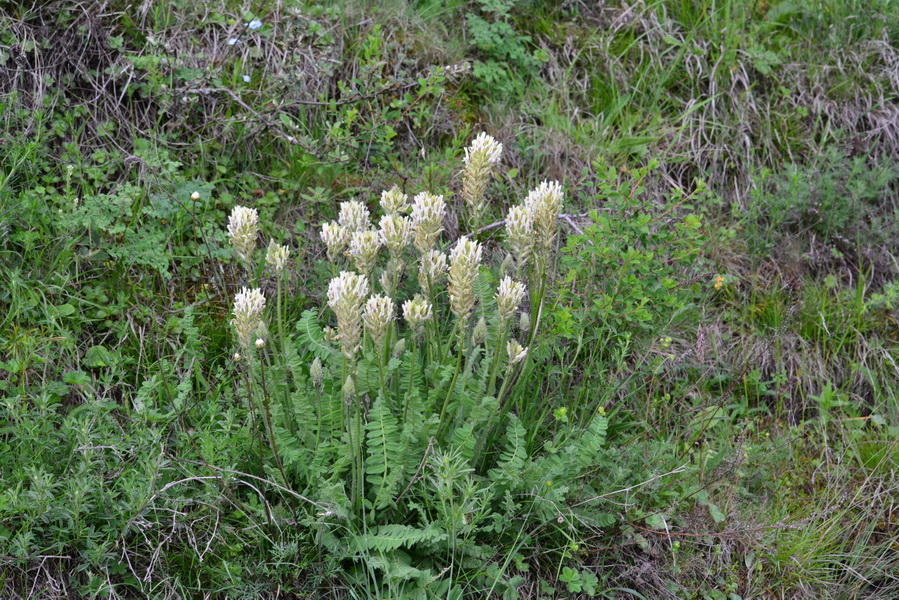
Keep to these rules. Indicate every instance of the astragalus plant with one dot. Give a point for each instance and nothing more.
(402, 426)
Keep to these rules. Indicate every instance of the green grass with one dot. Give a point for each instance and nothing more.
(752, 421)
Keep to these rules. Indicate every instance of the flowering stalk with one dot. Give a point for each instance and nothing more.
(509, 296)
(480, 159)
(465, 258)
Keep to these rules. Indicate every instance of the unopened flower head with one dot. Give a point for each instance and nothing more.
(260, 344)
(432, 270)
(524, 323)
(428, 211)
(399, 348)
(363, 250)
(465, 258)
(545, 203)
(480, 159)
(516, 352)
(520, 232)
(336, 237)
(317, 373)
(417, 312)
(377, 315)
(479, 333)
(248, 307)
(276, 256)
(353, 216)
(346, 294)
(396, 233)
(243, 227)
(509, 297)
(194, 196)
(349, 389)
(394, 201)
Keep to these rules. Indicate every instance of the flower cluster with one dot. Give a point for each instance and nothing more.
(531, 228)
(336, 237)
(417, 312)
(432, 270)
(276, 257)
(428, 211)
(248, 307)
(364, 246)
(396, 233)
(480, 160)
(465, 258)
(346, 294)
(353, 216)
(508, 298)
(243, 227)
(394, 202)
(377, 315)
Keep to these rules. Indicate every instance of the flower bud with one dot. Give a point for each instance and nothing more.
(479, 333)
(260, 344)
(524, 323)
(399, 348)
(317, 373)
(349, 389)
(194, 196)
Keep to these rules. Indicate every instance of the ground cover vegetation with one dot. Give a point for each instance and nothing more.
(449, 299)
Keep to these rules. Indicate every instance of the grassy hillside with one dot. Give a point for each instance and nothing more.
(694, 392)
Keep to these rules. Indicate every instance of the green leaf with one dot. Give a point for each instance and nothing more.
(98, 356)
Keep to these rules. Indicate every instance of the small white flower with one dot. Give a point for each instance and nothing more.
(233, 41)
(237, 357)
(260, 344)
(246, 78)
(254, 24)
(195, 196)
